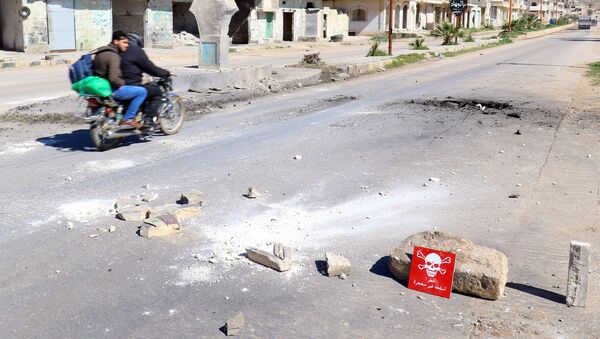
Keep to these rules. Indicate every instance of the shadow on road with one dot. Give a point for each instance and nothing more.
(381, 268)
(538, 292)
(79, 140)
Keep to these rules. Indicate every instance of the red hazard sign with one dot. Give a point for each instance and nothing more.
(431, 271)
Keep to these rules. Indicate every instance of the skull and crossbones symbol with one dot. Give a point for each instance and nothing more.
(433, 263)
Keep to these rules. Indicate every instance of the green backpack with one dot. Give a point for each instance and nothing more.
(93, 85)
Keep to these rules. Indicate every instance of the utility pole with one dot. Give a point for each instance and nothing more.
(390, 27)
(510, 10)
(541, 4)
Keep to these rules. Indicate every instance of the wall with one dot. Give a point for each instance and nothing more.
(93, 23)
(35, 27)
(337, 23)
(300, 3)
(373, 23)
(11, 26)
(128, 15)
(239, 26)
(159, 24)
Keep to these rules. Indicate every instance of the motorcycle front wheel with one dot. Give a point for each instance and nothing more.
(171, 121)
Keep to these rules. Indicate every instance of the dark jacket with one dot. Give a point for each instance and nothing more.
(134, 62)
(107, 65)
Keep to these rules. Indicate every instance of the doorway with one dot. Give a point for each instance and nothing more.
(405, 16)
(61, 25)
(269, 28)
(288, 26)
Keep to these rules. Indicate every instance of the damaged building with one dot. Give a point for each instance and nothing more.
(70, 25)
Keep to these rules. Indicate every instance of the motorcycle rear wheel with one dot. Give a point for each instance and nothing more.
(101, 143)
(170, 123)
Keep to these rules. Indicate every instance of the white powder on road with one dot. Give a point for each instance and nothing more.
(19, 147)
(195, 274)
(106, 165)
(84, 211)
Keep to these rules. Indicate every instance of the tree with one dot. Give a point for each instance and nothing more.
(447, 32)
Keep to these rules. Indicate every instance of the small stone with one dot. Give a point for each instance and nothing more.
(146, 186)
(112, 229)
(93, 235)
(513, 196)
(343, 276)
(501, 152)
(337, 264)
(70, 225)
(421, 297)
(433, 179)
(126, 202)
(402, 293)
(164, 225)
(234, 325)
(297, 157)
(187, 212)
(561, 320)
(148, 196)
(280, 260)
(251, 193)
(193, 197)
(589, 155)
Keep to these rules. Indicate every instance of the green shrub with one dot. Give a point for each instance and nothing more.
(447, 32)
(469, 38)
(374, 51)
(418, 44)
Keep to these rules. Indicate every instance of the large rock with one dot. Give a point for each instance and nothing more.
(480, 271)
(337, 264)
(280, 260)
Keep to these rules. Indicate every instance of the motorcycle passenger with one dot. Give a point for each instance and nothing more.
(107, 64)
(135, 62)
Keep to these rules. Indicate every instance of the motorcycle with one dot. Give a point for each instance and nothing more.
(105, 115)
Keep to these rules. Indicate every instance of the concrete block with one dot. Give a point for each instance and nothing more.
(234, 325)
(164, 225)
(125, 202)
(280, 260)
(35, 63)
(337, 265)
(8, 65)
(579, 267)
(193, 197)
(134, 213)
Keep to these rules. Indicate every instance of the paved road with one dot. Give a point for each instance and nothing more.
(358, 190)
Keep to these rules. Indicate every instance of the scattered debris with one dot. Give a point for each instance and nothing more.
(184, 38)
(337, 265)
(234, 325)
(125, 202)
(518, 132)
(297, 157)
(148, 196)
(70, 225)
(112, 229)
(514, 115)
(480, 271)
(343, 276)
(311, 59)
(513, 196)
(161, 226)
(193, 197)
(432, 179)
(421, 297)
(280, 260)
(481, 107)
(93, 235)
(251, 193)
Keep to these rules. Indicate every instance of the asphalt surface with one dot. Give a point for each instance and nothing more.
(358, 190)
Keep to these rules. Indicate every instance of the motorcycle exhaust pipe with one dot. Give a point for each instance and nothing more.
(116, 134)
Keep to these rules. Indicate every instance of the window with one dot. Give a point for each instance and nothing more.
(359, 14)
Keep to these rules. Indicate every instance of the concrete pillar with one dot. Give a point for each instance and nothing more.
(213, 19)
(579, 266)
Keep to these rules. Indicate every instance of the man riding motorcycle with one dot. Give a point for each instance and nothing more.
(107, 65)
(135, 62)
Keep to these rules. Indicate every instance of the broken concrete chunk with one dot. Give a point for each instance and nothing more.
(162, 209)
(70, 225)
(234, 325)
(134, 213)
(187, 212)
(112, 229)
(579, 267)
(161, 226)
(280, 260)
(480, 271)
(337, 265)
(193, 197)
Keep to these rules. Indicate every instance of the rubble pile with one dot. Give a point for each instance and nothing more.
(184, 38)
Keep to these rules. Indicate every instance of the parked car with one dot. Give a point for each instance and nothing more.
(585, 22)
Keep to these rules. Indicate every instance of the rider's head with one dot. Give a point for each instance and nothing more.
(119, 39)
(136, 39)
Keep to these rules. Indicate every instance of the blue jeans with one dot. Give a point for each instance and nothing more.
(136, 94)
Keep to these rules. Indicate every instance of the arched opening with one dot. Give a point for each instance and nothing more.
(405, 16)
(397, 17)
(310, 5)
(359, 14)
